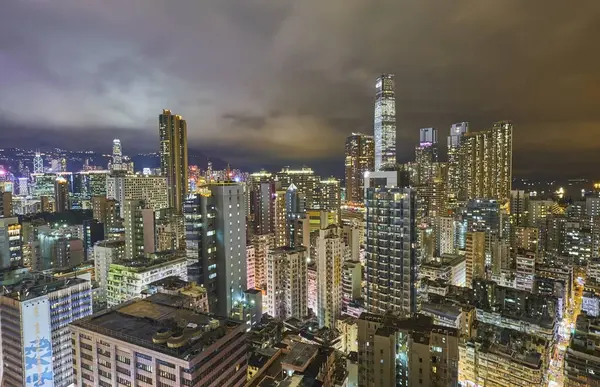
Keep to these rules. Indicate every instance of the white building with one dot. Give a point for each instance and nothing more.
(105, 253)
(287, 283)
(128, 279)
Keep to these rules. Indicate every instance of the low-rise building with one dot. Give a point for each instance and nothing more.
(128, 279)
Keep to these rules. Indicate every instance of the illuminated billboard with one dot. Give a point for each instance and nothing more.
(37, 344)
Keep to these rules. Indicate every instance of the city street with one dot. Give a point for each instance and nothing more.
(556, 367)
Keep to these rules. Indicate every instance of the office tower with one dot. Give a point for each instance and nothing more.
(486, 160)
(61, 195)
(305, 181)
(392, 253)
(455, 169)
(117, 156)
(287, 283)
(174, 156)
(329, 256)
(130, 279)
(38, 163)
(475, 254)
(406, 352)
(6, 205)
(23, 186)
(426, 155)
(295, 214)
(159, 349)
(201, 242)
(138, 220)
(36, 338)
(152, 189)
(351, 282)
(105, 253)
(360, 158)
(263, 196)
(219, 244)
(11, 254)
(483, 215)
(385, 122)
(93, 231)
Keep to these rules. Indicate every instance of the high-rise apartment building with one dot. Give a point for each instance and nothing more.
(287, 283)
(36, 339)
(330, 195)
(159, 341)
(105, 253)
(139, 229)
(305, 181)
(384, 124)
(486, 160)
(263, 197)
(351, 282)
(329, 256)
(456, 176)
(392, 254)
(406, 352)
(261, 245)
(296, 225)
(216, 237)
(10, 243)
(475, 256)
(360, 158)
(152, 189)
(172, 131)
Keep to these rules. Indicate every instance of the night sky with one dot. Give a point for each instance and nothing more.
(274, 82)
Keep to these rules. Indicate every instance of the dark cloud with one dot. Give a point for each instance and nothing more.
(281, 81)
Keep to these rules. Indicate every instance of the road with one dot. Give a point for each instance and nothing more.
(556, 367)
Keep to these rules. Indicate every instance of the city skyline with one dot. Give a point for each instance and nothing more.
(237, 101)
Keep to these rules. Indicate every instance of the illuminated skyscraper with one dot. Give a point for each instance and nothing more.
(455, 170)
(38, 163)
(117, 155)
(426, 154)
(174, 157)
(385, 122)
(61, 195)
(360, 158)
(486, 162)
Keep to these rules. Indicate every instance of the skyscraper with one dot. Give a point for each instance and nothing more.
(174, 157)
(10, 243)
(329, 256)
(216, 237)
(385, 122)
(392, 251)
(117, 155)
(61, 194)
(38, 163)
(486, 162)
(455, 170)
(426, 155)
(360, 158)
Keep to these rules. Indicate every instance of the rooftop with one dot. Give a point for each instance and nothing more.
(161, 323)
(38, 284)
(144, 263)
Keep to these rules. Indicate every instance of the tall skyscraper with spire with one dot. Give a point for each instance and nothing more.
(38, 163)
(174, 157)
(385, 122)
(117, 155)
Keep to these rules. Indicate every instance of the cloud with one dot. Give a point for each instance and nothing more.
(284, 80)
